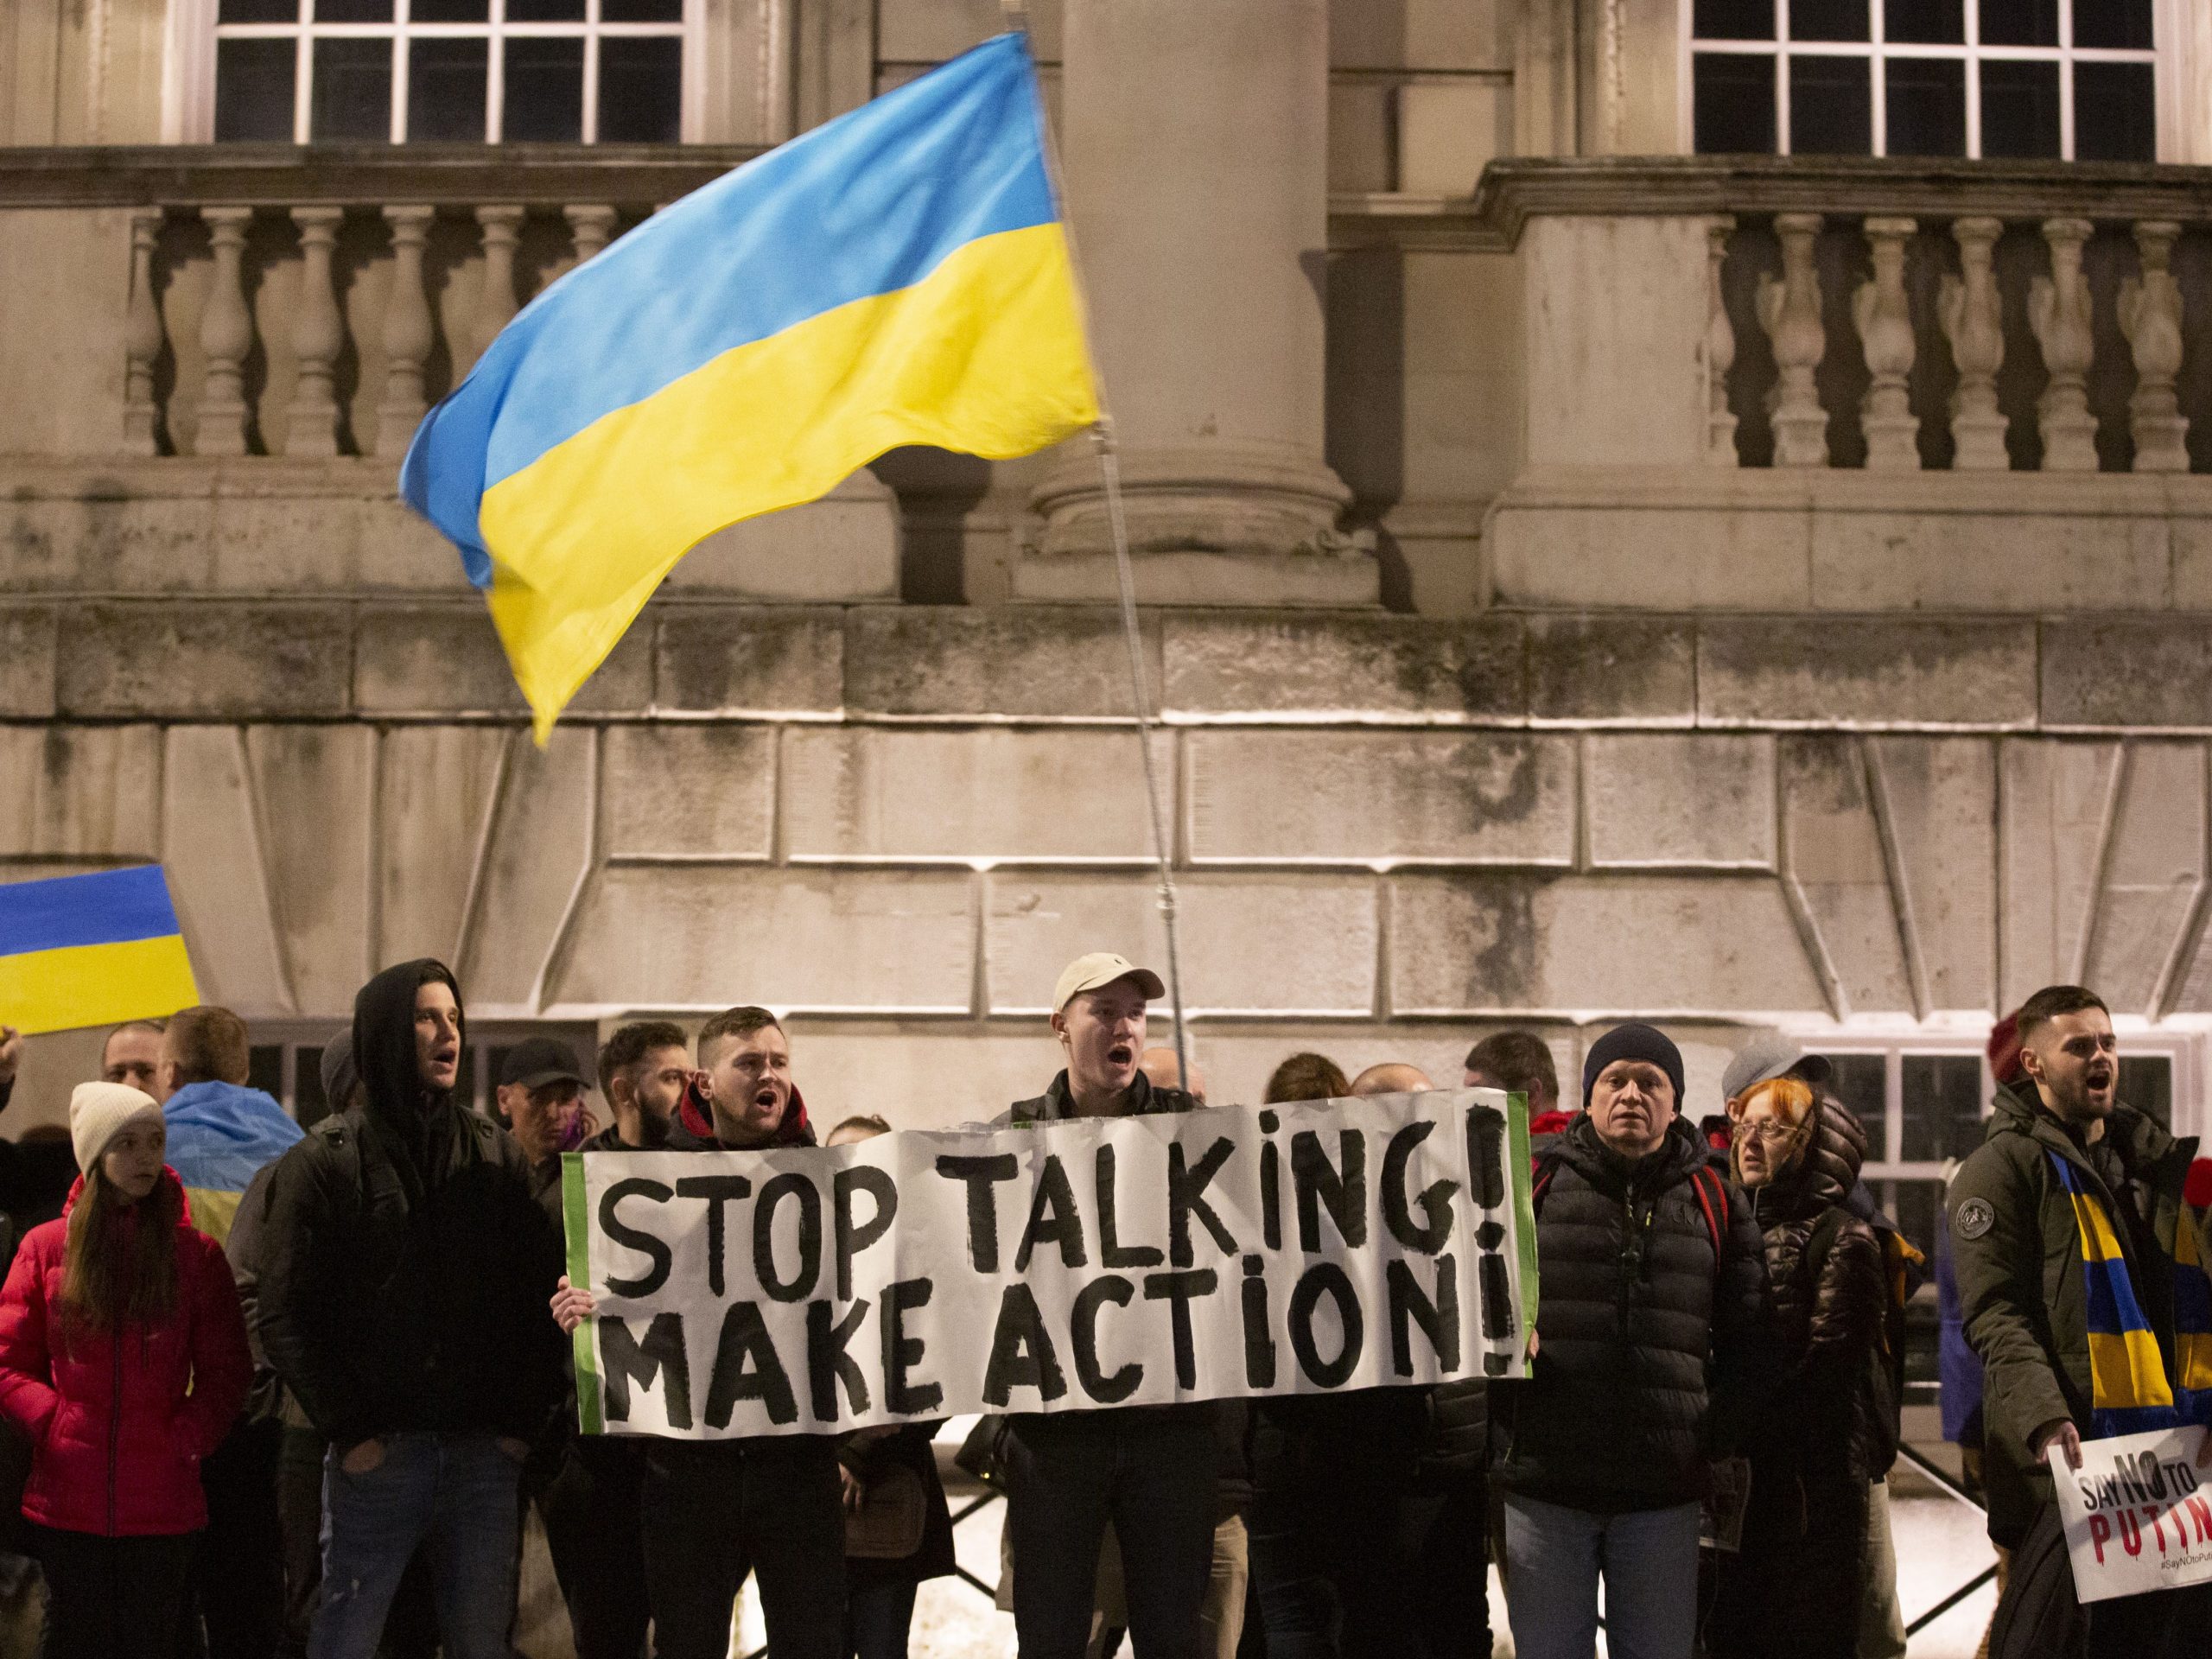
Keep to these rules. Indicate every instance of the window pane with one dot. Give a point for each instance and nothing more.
(2021, 22)
(308, 1105)
(352, 11)
(2019, 109)
(253, 90)
(1733, 20)
(1828, 20)
(544, 90)
(641, 89)
(545, 11)
(1734, 105)
(1943, 1107)
(2146, 1083)
(445, 89)
(1831, 106)
(1927, 106)
(1862, 1082)
(2115, 112)
(1914, 1213)
(352, 93)
(2125, 24)
(641, 11)
(264, 1068)
(258, 11)
(449, 11)
(1939, 22)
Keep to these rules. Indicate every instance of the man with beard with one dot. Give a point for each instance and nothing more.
(770, 1504)
(643, 1069)
(2075, 1340)
(405, 1265)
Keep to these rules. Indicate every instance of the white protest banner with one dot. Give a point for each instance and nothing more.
(2137, 1513)
(1102, 1262)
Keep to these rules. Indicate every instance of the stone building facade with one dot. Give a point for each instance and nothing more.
(1581, 578)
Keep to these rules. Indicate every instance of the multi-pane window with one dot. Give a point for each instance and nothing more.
(452, 71)
(2070, 79)
(288, 1064)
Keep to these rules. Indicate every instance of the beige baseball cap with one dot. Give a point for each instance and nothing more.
(1102, 968)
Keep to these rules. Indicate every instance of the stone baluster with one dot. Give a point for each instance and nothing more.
(495, 306)
(1719, 349)
(142, 336)
(589, 229)
(225, 335)
(2150, 314)
(1885, 320)
(407, 332)
(318, 333)
(2058, 311)
(1974, 323)
(1789, 311)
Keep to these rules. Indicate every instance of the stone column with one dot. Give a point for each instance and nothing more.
(1194, 140)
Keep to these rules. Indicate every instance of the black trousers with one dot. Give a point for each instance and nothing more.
(111, 1598)
(592, 1506)
(1148, 1470)
(716, 1511)
(238, 1568)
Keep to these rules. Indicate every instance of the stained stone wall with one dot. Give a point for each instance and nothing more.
(898, 822)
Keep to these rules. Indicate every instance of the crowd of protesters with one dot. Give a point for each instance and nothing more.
(273, 1392)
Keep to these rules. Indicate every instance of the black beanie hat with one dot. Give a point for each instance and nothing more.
(1633, 1042)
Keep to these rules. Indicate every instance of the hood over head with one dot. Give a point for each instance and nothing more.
(422, 1126)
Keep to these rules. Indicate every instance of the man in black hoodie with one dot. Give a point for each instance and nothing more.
(400, 1293)
(769, 1503)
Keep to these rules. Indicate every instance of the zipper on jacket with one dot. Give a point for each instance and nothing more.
(114, 1426)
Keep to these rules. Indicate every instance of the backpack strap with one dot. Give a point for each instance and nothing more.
(1547, 1166)
(1715, 1206)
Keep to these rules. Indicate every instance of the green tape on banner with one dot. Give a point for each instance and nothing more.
(1524, 1210)
(576, 1219)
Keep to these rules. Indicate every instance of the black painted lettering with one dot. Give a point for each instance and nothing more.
(1064, 1224)
(1497, 1287)
(1326, 1279)
(631, 1239)
(1486, 1154)
(1439, 1320)
(1177, 1289)
(746, 1368)
(623, 1360)
(981, 1174)
(1259, 1340)
(717, 1191)
(1112, 1253)
(1021, 1353)
(901, 1352)
(1428, 1235)
(854, 1238)
(1083, 1341)
(1186, 1197)
(791, 1185)
(829, 1364)
(1270, 1189)
(1322, 1185)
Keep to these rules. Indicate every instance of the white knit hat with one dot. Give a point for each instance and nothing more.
(101, 1111)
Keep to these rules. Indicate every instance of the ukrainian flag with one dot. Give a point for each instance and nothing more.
(90, 950)
(897, 275)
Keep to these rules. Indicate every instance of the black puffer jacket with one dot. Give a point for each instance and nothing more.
(1635, 1313)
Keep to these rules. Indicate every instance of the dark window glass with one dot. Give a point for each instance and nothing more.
(2124, 24)
(641, 89)
(258, 11)
(1733, 100)
(2021, 22)
(1733, 20)
(1937, 23)
(2115, 112)
(254, 83)
(464, 1083)
(1828, 20)
(352, 11)
(2020, 108)
(449, 11)
(264, 1068)
(544, 90)
(352, 95)
(1927, 106)
(1862, 1082)
(641, 11)
(308, 1105)
(545, 11)
(1943, 1107)
(1831, 106)
(1914, 1211)
(445, 89)
(495, 1061)
(2146, 1083)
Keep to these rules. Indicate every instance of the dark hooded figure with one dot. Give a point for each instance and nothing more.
(401, 1300)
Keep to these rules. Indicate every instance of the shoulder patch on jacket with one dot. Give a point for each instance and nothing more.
(1975, 1218)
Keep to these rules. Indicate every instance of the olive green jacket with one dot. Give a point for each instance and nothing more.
(2018, 1255)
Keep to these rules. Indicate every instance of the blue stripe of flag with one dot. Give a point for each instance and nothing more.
(106, 907)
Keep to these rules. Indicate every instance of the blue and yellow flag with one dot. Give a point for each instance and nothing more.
(90, 950)
(897, 275)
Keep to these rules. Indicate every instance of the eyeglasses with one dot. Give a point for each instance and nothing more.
(1770, 1131)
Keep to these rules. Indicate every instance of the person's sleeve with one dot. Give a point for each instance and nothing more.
(1997, 1252)
(1747, 1351)
(27, 1391)
(222, 1366)
(299, 1300)
(543, 1388)
(1848, 1299)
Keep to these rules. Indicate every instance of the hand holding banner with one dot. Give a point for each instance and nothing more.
(1100, 1262)
(2137, 1513)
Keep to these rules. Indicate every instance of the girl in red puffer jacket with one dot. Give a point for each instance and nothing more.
(122, 1355)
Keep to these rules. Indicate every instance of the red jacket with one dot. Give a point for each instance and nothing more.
(120, 1427)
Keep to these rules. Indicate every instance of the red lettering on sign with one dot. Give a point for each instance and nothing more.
(2154, 1512)
(2100, 1534)
(2201, 1512)
(2131, 1533)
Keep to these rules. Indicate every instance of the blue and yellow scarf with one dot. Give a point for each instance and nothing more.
(2132, 1392)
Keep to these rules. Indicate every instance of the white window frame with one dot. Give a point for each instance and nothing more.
(293, 1034)
(188, 114)
(2166, 34)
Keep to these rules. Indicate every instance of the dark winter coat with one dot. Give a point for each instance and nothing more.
(2018, 1253)
(1635, 1311)
(120, 1421)
(907, 1447)
(406, 1267)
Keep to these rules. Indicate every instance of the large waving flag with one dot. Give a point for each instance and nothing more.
(90, 950)
(897, 275)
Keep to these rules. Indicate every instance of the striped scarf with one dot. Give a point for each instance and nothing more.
(2132, 1392)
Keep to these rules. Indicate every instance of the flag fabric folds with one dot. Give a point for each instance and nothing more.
(220, 1136)
(91, 951)
(897, 275)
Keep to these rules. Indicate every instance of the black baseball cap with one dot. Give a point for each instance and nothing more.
(536, 1061)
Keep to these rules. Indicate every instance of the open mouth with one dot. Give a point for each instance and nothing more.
(1121, 1054)
(764, 1098)
(2100, 1079)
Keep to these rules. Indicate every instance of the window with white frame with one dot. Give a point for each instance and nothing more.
(450, 71)
(286, 1061)
(2064, 79)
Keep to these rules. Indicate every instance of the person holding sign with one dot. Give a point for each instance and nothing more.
(2083, 1292)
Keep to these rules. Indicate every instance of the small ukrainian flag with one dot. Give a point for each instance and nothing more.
(91, 951)
(896, 275)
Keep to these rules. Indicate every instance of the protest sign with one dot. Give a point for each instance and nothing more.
(2137, 1513)
(1101, 1261)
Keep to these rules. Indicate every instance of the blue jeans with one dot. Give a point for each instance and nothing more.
(1555, 1557)
(456, 1494)
(877, 1618)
